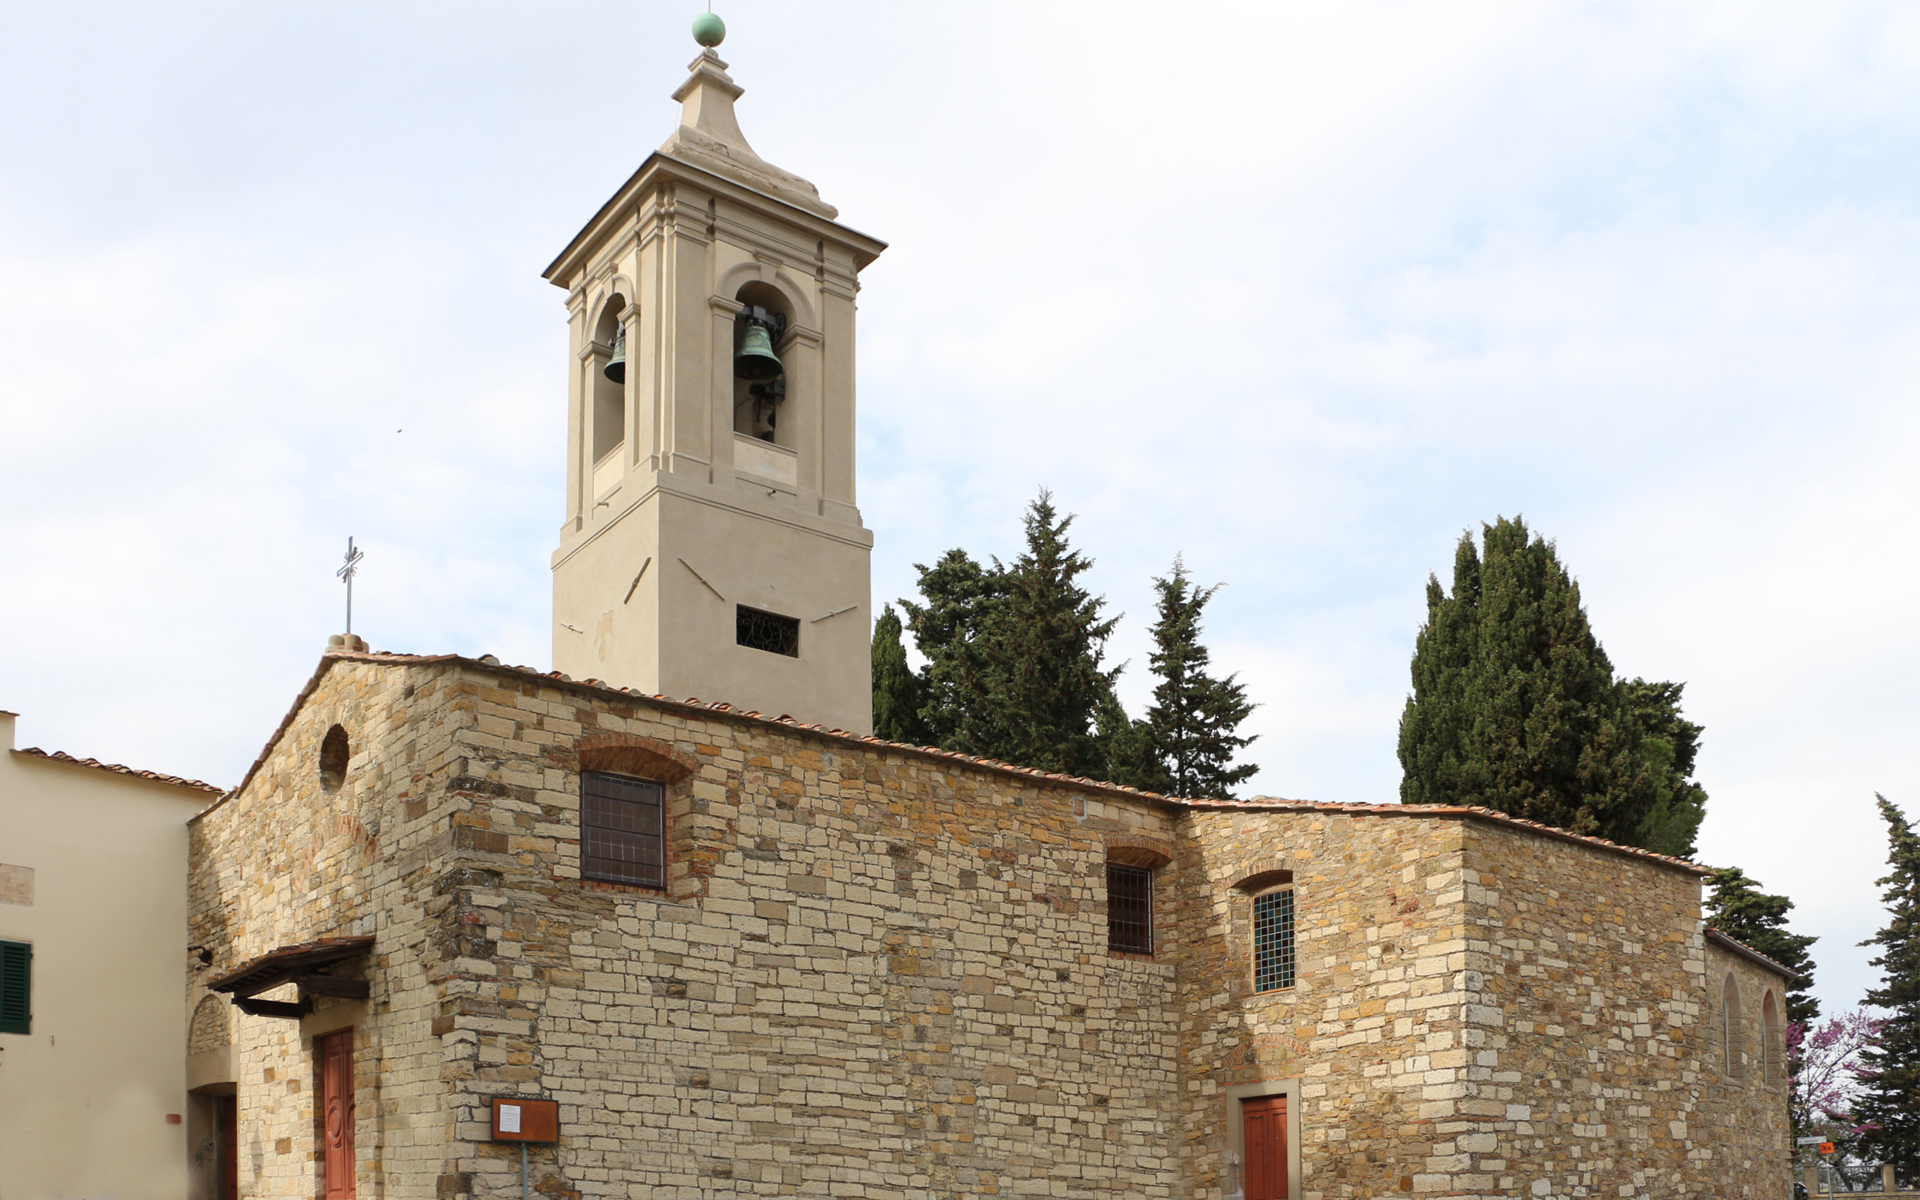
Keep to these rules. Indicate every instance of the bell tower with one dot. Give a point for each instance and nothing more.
(712, 546)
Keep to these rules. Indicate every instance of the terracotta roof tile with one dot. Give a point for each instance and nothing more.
(175, 780)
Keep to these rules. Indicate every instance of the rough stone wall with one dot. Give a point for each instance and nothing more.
(1372, 1027)
(1589, 978)
(287, 860)
(876, 973)
(1745, 1108)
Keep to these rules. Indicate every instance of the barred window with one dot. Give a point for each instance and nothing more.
(767, 631)
(1273, 941)
(1129, 909)
(623, 825)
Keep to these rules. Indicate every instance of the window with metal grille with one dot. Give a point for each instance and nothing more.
(623, 830)
(767, 631)
(16, 987)
(1273, 941)
(1129, 909)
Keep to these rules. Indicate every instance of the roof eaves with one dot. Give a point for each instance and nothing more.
(61, 756)
(1742, 950)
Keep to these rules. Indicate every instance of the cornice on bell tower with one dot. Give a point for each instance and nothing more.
(713, 545)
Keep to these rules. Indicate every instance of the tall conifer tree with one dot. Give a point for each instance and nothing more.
(898, 694)
(957, 711)
(1042, 643)
(1669, 743)
(1738, 908)
(1194, 720)
(1514, 702)
(1889, 1098)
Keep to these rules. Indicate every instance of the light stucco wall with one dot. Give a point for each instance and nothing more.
(84, 1097)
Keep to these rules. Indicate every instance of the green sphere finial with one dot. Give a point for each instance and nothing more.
(709, 30)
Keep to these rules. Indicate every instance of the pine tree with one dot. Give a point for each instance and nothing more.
(898, 694)
(1670, 743)
(1042, 644)
(1194, 718)
(1126, 748)
(1889, 1098)
(1738, 908)
(957, 712)
(1514, 703)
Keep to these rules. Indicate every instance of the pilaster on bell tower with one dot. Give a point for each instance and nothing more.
(713, 546)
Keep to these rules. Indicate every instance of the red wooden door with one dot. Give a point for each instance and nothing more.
(1266, 1146)
(335, 1054)
(228, 1118)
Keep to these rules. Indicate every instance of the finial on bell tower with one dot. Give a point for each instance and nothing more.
(713, 546)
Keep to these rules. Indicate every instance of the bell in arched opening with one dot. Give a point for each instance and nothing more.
(616, 368)
(756, 362)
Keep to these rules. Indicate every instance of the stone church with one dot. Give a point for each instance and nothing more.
(474, 930)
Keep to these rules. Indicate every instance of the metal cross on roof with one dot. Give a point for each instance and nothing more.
(350, 565)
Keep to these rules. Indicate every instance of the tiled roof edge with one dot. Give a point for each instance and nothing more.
(60, 756)
(493, 666)
(1742, 950)
(1472, 812)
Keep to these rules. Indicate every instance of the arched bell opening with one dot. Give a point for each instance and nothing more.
(608, 379)
(759, 375)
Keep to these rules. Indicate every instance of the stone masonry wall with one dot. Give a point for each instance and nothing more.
(883, 973)
(1372, 1028)
(1589, 976)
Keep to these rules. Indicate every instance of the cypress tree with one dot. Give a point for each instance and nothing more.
(1889, 1098)
(1514, 702)
(898, 694)
(1738, 908)
(956, 711)
(1669, 744)
(1194, 718)
(1042, 643)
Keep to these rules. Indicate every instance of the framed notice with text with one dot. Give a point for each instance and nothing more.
(524, 1119)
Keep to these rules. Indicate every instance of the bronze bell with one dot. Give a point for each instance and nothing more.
(756, 360)
(616, 368)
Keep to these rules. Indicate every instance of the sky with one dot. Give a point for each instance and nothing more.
(1298, 292)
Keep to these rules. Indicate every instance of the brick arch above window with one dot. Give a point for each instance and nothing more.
(1263, 875)
(631, 754)
(1134, 851)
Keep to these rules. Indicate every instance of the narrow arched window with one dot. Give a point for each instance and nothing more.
(1731, 1048)
(334, 755)
(1773, 1052)
(607, 391)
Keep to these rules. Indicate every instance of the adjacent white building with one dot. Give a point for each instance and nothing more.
(93, 969)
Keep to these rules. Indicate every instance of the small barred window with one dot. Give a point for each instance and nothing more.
(623, 827)
(767, 631)
(1273, 941)
(1129, 909)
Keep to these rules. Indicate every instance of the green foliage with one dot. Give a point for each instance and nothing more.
(898, 694)
(1889, 1098)
(1126, 748)
(1042, 644)
(1738, 908)
(1515, 706)
(1192, 723)
(1670, 743)
(1014, 652)
(956, 712)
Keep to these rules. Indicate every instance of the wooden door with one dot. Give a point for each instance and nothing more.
(227, 1116)
(334, 1053)
(1265, 1119)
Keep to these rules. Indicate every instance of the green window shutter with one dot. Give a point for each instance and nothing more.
(16, 987)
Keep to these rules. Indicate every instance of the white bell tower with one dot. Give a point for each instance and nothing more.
(712, 546)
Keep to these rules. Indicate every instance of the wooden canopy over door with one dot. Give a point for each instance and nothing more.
(334, 1056)
(1265, 1120)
